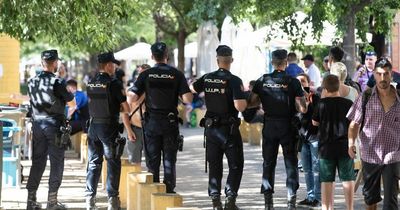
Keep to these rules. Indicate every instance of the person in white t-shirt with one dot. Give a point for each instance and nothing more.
(312, 71)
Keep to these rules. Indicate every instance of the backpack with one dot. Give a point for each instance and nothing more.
(353, 84)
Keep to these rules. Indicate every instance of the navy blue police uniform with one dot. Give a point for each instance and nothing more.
(277, 92)
(163, 85)
(106, 94)
(221, 124)
(48, 97)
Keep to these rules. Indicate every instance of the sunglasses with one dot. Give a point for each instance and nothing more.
(370, 53)
(326, 61)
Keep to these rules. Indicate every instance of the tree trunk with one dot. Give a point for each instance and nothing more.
(93, 64)
(349, 43)
(181, 49)
(378, 42)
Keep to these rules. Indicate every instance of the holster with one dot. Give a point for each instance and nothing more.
(63, 139)
(295, 125)
(119, 146)
(180, 142)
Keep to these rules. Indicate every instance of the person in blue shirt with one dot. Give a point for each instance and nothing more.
(293, 69)
(81, 114)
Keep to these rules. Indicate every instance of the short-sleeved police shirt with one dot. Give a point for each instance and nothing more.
(163, 78)
(118, 96)
(278, 98)
(235, 85)
(60, 92)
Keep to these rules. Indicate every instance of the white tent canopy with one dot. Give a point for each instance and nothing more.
(139, 51)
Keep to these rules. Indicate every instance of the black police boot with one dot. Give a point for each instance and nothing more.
(114, 203)
(91, 203)
(292, 203)
(32, 204)
(52, 202)
(230, 203)
(269, 202)
(216, 201)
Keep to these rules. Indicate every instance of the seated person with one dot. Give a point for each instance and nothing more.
(81, 114)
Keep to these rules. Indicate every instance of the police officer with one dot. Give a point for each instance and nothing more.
(48, 97)
(224, 97)
(281, 97)
(163, 86)
(106, 99)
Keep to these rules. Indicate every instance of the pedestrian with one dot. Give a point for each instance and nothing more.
(224, 99)
(163, 85)
(282, 97)
(325, 64)
(312, 71)
(48, 97)
(106, 99)
(330, 117)
(135, 148)
(293, 69)
(81, 115)
(375, 116)
(340, 70)
(365, 72)
(309, 150)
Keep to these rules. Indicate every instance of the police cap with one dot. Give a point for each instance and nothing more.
(50, 55)
(107, 57)
(308, 57)
(158, 48)
(279, 54)
(224, 50)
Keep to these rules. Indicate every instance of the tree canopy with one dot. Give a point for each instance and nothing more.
(84, 25)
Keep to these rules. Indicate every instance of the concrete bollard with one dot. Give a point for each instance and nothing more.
(144, 192)
(126, 168)
(161, 201)
(244, 131)
(134, 179)
(255, 133)
(84, 148)
(76, 142)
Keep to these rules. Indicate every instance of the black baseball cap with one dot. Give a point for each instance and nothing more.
(279, 54)
(107, 57)
(308, 57)
(50, 55)
(158, 48)
(224, 50)
(370, 53)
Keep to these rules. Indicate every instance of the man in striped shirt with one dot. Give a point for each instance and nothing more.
(379, 139)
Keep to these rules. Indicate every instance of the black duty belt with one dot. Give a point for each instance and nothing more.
(47, 117)
(270, 118)
(104, 120)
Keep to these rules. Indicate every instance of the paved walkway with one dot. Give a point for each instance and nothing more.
(191, 181)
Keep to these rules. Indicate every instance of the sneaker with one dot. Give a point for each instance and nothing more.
(316, 203)
(305, 202)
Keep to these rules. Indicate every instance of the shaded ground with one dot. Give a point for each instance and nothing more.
(191, 181)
